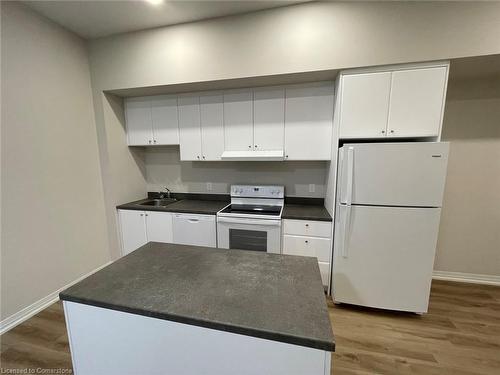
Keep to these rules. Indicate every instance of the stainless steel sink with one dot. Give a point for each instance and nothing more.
(159, 202)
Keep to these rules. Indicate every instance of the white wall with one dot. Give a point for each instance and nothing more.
(301, 38)
(469, 235)
(53, 227)
(163, 168)
(308, 37)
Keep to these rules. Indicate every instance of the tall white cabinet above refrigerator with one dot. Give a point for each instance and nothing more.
(387, 221)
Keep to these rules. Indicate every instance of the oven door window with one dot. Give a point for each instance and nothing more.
(243, 239)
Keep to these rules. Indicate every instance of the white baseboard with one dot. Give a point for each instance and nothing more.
(26, 313)
(463, 277)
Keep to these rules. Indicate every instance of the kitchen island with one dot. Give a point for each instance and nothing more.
(176, 309)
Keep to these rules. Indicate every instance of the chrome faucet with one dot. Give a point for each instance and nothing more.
(167, 191)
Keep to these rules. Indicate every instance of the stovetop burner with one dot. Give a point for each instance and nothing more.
(255, 201)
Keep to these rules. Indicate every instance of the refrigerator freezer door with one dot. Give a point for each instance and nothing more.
(388, 257)
(393, 174)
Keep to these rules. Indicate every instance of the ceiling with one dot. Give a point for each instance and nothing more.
(94, 19)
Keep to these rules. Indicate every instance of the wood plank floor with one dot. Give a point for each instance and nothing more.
(460, 335)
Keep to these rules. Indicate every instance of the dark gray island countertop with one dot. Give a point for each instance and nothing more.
(270, 296)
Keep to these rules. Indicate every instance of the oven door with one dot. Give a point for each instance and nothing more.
(249, 234)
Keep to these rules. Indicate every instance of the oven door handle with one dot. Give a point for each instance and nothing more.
(273, 223)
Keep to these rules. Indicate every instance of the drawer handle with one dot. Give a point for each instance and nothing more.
(307, 241)
(307, 225)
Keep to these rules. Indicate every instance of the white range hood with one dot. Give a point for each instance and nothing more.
(277, 155)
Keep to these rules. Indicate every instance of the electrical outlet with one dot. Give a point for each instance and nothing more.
(209, 186)
(312, 188)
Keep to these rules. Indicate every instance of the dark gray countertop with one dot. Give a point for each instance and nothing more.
(305, 212)
(190, 206)
(271, 296)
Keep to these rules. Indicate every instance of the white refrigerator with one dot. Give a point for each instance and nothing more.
(389, 199)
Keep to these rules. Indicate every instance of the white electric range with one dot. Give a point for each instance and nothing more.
(253, 219)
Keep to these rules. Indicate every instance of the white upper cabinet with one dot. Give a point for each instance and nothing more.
(189, 127)
(152, 120)
(138, 118)
(405, 101)
(264, 123)
(165, 120)
(417, 101)
(212, 126)
(238, 120)
(364, 105)
(269, 118)
(309, 121)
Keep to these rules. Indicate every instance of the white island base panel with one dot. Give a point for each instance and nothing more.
(104, 341)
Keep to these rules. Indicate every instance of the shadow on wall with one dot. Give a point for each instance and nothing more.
(164, 168)
(468, 237)
(137, 153)
(472, 110)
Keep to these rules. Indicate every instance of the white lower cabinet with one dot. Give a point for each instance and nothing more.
(307, 246)
(133, 230)
(309, 238)
(158, 226)
(140, 227)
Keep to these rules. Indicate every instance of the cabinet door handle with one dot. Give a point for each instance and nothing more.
(198, 156)
(307, 241)
(392, 131)
(203, 156)
(255, 146)
(383, 131)
(142, 214)
(307, 225)
(154, 141)
(250, 146)
(150, 141)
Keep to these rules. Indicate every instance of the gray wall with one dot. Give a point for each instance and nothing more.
(163, 168)
(53, 227)
(469, 236)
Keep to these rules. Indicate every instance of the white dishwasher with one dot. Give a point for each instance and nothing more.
(192, 229)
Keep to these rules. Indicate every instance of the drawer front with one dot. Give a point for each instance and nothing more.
(308, 228)
(307, 246)
(324, 270)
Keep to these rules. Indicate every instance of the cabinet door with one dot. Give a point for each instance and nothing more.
(238, 120)
(165, 120)
(364, 105)
(212, 126)
(133, 230)
(269, 118)
(307, 247)
(189, 127)
(309, 122)
(417, 100)
(159, 226)
(138, 119)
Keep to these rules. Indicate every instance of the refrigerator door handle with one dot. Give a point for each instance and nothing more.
(350, 174)
(345, 231)
(349, 183)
